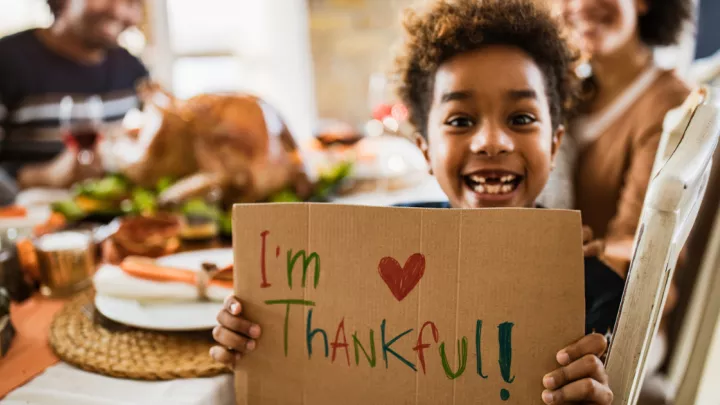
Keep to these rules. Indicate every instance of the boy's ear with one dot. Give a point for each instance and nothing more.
(422, 144)
(556, 140)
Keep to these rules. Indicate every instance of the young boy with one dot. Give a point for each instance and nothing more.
(488, 88)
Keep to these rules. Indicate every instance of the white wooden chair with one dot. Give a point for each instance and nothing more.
(680, 176)
(690, 360)
(689, 363)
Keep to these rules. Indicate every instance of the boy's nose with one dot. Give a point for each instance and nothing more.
(491, 142)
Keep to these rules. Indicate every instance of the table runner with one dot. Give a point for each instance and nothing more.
(30, 354)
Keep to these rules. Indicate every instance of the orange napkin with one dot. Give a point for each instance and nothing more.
(148, 269)
(30, 353)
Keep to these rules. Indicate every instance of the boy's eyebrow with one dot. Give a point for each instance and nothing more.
(456, 95)
(522, 94)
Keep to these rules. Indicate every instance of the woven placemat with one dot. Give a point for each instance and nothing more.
(79, 335)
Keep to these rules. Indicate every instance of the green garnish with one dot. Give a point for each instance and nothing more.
(164, 183)
(225, 223)
(285, 196)
(198, 206)
(69, 209)
(144, 201)
(112, 187)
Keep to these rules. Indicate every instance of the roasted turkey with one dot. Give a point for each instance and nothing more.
(233, 143)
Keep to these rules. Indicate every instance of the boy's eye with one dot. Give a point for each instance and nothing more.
(522, 119)
(460, 122)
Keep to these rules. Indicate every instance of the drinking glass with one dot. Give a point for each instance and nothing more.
(81, 122)
(66, 262)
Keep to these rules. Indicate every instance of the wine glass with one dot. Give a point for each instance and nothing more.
(81, 124)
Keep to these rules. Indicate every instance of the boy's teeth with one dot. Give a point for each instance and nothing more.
(482, 179)
(493, 188)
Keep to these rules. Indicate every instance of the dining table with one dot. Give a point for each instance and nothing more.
(31, 373)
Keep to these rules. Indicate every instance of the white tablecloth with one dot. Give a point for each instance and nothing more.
(62, 384)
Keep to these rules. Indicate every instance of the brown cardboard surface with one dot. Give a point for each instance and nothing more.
(483, 271)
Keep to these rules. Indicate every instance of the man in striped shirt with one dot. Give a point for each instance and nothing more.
(77, 56)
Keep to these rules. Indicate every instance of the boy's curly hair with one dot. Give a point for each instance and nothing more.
(663, 24)
(449, 28)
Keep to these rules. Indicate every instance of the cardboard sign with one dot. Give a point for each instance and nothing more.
(367, 305)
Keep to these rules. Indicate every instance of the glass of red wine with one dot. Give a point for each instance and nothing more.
(81, 121)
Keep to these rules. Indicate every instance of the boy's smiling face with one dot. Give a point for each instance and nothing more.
(490, 139)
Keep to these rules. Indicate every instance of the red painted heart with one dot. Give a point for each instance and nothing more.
(402, 280)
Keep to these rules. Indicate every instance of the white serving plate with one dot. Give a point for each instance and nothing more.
(169, 316)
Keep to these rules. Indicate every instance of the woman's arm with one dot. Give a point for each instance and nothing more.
(621, 230)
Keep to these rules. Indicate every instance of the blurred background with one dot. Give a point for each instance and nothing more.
(324, 66)
(313, 59)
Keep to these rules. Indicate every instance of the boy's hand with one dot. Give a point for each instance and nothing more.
(235, 334)
(582, 377)
(591, 248)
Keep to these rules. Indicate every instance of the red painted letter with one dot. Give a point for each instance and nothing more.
(264, 283)
(422, 346)
(344, 344)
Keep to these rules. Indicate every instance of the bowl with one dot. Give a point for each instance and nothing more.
(150, 236)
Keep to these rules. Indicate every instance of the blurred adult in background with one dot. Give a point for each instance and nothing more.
(615, 136)
(78, 56)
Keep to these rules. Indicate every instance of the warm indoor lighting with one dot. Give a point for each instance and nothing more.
(391, 124)
(399, 112)
(133, 120)
(374, 128)
(133, 40)
(396, 164)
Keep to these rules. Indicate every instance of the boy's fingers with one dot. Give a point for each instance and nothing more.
(589, 366)
(583, 391)
(238, 324)
(224, 356)
(590, 344)
(232, 340)
(233, 305)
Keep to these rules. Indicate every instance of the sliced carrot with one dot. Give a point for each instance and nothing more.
(225, 274)
(13, 211)
(148, 269)
(28, 258)
(222, 283)
(54, 223)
